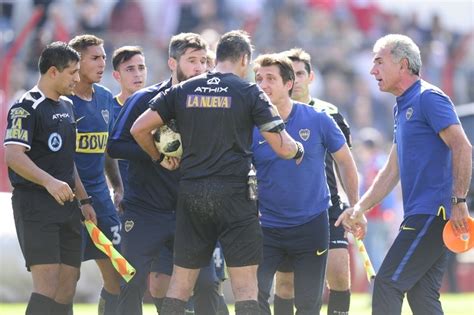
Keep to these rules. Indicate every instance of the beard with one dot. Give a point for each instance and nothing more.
(180, 76)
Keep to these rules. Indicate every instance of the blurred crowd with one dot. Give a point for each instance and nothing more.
(338, 34)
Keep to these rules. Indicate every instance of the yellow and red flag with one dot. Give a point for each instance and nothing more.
(105, 245)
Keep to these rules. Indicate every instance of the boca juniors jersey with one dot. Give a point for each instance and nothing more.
(94, 120)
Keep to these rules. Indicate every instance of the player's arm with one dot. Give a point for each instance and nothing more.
(142, 132)
(87, 210)
(113, 174)
(18, 161)
(347, 172)
(461, 150)
(353, 219)
(284, 145)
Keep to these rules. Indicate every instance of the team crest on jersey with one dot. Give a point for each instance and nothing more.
(105, 115)
(304, 134)
(18, 112)
(129, 225)
(409, 113)
(55, 142)
(213, 81)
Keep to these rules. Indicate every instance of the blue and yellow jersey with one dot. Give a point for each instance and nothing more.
(425, 161)
(290, 194)
(94, 120)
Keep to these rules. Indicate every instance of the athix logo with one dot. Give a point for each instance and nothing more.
(320, 252)
(213, 81)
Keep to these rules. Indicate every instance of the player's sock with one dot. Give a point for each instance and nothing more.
(39, 304)
(158, 304)
(173, 306)
(283, 306)
(248, 307)
(339, 302)
(107, 303)
(222, 306)
(60, 309)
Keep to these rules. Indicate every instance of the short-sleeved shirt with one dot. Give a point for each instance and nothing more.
(290, 194)
(425, 161)
(47, 129)
(215, 114)
(94, 121)
(330, 173)
(151, 187)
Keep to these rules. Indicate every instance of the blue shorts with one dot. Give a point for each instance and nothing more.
(147, 241)
(219, 263)
(306, 247)
(414, 265)
(110, 226)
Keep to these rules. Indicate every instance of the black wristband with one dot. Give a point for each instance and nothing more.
(300, 151)
(160, 159)
(85, 201)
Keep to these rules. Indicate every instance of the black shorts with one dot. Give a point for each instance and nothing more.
(48, 233)
(336, 234)
(216, 209)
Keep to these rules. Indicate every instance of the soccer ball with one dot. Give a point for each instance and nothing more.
(168, 140)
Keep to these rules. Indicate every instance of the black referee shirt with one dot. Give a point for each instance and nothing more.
(216, 113)
(47, 129)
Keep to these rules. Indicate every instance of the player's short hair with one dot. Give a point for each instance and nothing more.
(210, 58)
(81, 42)
(123, 54)
(183, 41)
(401, 47)
(298, 54)
(57, 54)
(233, 45)
(283, 63)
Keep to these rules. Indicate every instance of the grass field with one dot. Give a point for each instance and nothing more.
(453, 304)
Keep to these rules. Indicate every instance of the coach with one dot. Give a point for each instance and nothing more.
(432, 157)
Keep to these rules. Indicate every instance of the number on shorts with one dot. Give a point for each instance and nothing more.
(217, 257)
(116, 234)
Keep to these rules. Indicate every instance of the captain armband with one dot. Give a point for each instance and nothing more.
(299, 153)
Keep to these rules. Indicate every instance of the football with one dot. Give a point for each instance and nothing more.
(168, 140)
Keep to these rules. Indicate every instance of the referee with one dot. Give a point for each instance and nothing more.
(216, 113)
(39, 151)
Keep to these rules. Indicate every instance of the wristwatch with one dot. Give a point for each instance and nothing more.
(85, 201)
(455, 200)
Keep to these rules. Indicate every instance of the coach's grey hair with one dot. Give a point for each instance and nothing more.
(401, 46)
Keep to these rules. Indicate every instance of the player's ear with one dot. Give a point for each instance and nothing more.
(52, 72)
(172, 64)
(311, 76)
(116, 75)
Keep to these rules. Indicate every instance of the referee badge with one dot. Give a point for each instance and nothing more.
(304, 134)
(129, 225)
(55, 142)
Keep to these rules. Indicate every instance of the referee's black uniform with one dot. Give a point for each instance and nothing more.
(48, 232)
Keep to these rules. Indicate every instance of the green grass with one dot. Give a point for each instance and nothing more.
(453, 304)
